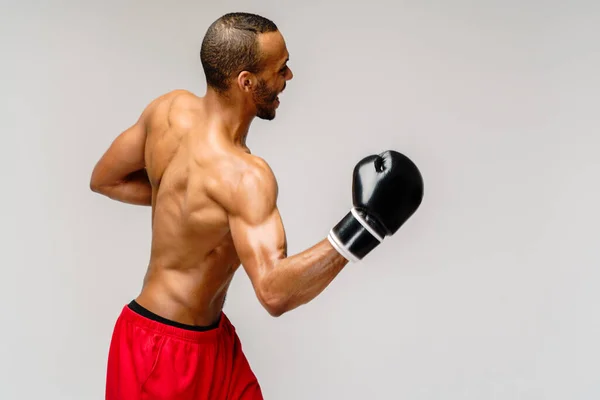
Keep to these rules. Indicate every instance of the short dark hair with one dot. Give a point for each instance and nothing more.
(230, 46)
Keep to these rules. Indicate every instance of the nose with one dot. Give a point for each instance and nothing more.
(289, 75)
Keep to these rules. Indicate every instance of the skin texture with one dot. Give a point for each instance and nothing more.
(214, 204)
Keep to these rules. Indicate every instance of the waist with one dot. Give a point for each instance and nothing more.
(134, 316)
(146, 313)
(192, 312)
(183, 301)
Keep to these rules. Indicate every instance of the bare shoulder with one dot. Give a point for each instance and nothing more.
(257, 178)
(247, 187)
(175, 107)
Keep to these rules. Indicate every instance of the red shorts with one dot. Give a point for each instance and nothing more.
(151, 360)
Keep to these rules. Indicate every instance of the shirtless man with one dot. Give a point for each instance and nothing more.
(214, 207)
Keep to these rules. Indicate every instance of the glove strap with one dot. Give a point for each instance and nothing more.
(353, 238)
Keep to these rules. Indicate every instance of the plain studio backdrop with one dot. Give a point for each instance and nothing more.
(489, 292)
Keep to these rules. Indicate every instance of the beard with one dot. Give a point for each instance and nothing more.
(264, 98)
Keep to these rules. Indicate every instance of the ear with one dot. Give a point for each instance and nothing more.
(246, 81)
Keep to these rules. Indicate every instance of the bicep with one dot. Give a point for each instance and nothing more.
(259, 244)
(255, 223)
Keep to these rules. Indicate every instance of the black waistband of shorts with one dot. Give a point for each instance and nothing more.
(144, 312)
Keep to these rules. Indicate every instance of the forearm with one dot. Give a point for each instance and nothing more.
(135, 189)
(298, 279)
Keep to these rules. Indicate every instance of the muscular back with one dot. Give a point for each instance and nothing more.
(214, 208)
(190, 166)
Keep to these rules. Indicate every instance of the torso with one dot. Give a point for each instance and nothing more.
(192, 259)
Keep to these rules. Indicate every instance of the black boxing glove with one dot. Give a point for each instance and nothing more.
(387, 189)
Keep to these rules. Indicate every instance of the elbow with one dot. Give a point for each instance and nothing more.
(275, 304)
(98, 184)
(94, 187)
(275, 308)
(275, 312)
(99, 187)
(94, 181)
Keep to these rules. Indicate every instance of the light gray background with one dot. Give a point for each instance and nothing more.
(489, 292)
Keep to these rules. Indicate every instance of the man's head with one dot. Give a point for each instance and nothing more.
(245, 53)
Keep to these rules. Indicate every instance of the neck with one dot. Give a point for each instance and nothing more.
(230, 115)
